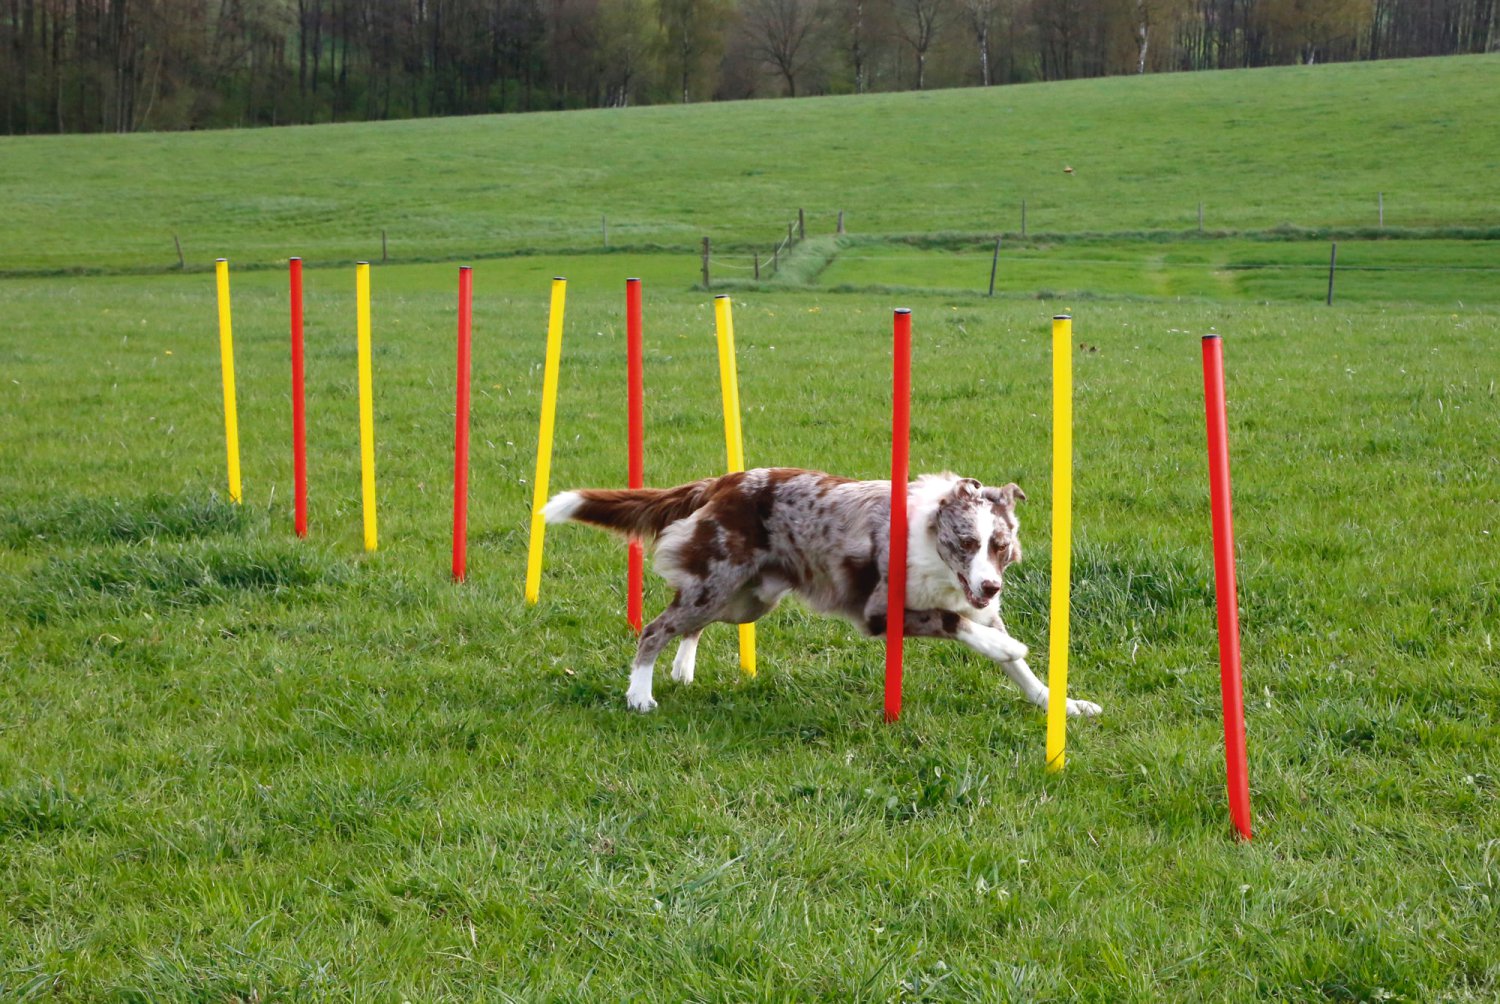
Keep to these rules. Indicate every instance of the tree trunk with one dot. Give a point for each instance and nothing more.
(302, 52)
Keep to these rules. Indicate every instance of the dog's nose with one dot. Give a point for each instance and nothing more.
(988, 589)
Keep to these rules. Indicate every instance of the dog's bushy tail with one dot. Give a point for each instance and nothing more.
(639, 513)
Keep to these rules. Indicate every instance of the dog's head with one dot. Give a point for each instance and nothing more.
(977, 536)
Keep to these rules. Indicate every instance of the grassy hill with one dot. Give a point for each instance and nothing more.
(1310, 146)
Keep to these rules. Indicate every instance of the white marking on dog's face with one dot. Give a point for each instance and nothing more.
(976, 540)
(982, 568)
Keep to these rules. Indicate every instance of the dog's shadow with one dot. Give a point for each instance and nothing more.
(824, 692)
(770, 710)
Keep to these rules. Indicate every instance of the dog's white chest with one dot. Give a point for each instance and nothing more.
(929, 582)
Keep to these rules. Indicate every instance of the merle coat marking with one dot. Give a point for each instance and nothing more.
(734, 546)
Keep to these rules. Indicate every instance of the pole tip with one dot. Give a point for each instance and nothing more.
(559, 278)
(1211, 338)
(1062, 317)
(295, 258)
(364, 263)
(225, 260)
(721, 296)
(903, 310)
(633, 279)
(466, 268)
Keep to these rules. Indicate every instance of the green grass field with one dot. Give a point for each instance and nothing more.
(1311, 146)
(239, 766)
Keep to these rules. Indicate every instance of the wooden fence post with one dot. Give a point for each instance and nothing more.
(801, 225)
(994, 266)
(1333, 257)
(1023, 217)
(757, 266)
(604, 226)
(841, 221)
(180, 263)
(382, 245)
(706, 284)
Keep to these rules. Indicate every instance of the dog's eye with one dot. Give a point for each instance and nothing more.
(968, 542)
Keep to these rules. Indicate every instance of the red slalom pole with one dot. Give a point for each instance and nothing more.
(299, 410)
(461, 426)
(635, 395)
(1225, 591)
(895, 608)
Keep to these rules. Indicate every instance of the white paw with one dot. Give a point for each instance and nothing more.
(682, 668)
(640, 700)
(1082, 709)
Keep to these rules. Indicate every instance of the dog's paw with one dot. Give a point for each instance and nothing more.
(682, 668)
(1082, 709)
(641, 701)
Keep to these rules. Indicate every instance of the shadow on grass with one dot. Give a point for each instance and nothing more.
(79, 519)
(150, 578)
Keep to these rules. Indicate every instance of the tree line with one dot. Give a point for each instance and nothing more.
(126, 65)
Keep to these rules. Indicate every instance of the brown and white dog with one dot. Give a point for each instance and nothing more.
(734, 546)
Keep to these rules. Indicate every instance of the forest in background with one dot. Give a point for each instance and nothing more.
(128, 65)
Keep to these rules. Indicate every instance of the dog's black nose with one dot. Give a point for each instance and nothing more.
(988, 589)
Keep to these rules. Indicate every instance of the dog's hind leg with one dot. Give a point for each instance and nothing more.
(693, 608)
(687, 658)
(749, 603)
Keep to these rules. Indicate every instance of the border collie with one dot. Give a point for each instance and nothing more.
(734, 546)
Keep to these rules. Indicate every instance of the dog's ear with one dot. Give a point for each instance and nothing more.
(1005, 496)
(964, 491)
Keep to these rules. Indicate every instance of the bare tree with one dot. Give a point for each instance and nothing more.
(979, 16)
(1155, 19)
(918, 23)
(780, 32)
(856, 35)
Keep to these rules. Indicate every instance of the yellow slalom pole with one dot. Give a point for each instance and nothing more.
(366, 400)
(1062, 539)
(544, 440)
(226, 364)
(734, 439)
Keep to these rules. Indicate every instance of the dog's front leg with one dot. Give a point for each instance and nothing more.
(993, 641)
(995, 644)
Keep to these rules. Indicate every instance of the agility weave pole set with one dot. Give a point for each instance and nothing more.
(1231, 685)
(1062, 526)
(366, 388)
(734, 444)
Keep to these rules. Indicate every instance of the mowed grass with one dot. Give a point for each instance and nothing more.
(1311, 146)
(1441, 273)
(238, 765)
